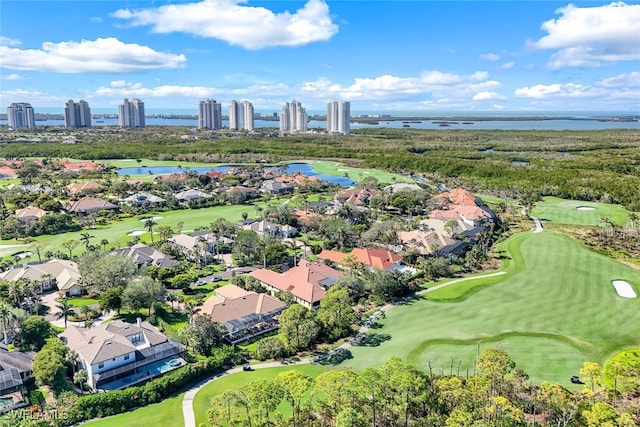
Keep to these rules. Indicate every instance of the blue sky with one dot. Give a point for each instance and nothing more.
(424, 56)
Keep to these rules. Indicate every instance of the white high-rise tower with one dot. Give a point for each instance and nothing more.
(293, 118)
(77, 114)
(21, 115)
(339, 117)
(209, 114)
(241, 115)
(131, 114)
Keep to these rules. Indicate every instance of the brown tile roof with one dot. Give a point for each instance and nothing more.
(232, 302)
(30, 212)
(424, 242)
(90, 204)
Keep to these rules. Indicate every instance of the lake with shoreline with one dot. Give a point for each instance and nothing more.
(291, 168)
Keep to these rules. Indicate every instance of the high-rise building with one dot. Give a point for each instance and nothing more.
(293, 118)
(241, 115)
(339, 117)
(21, 115)
(131, 114)
(209, 114)
(77, 114)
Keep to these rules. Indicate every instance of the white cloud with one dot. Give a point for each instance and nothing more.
(35, 98)
(497, 107)
(587, 37)
(540, 91)
(430, 83)
(108, 55)
(486, 95)
(8, 41)
(122, 89)
(610, 90)
(13, 77)
(251, 27)
(507, 65)
(490, 56)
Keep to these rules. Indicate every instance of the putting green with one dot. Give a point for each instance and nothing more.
(575, 212)
(552, 310)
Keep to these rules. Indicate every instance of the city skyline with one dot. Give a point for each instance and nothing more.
(389, 56)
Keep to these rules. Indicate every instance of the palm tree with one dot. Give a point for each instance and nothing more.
(16, 291)
(149, 224)
(86, 239)
(65, 310)
(5, 314)
(104, 243)
(172, 298)
(80, 378)
(38, 247)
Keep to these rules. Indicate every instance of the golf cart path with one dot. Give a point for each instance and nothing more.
(187, 401)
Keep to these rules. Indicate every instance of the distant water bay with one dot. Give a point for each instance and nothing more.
(579, 123)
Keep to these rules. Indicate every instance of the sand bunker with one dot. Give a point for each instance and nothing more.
(136, 233)
(155, 218)
(624, 289)
(586, 208)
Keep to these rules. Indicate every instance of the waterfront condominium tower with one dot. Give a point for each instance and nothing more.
(293, 118)
(338, 117)
(21, 115)
(209, 114)
(241, 115)
(131, 114)
(77, 114)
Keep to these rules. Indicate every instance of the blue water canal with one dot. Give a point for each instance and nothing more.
(292, 168)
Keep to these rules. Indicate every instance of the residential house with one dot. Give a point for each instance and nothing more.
(247, 192)
(59, 273)
(89, 206)
(267, 228)
(30, 214)
(81, 188)
(144, 255)
(378, 258)
(276, 187)
(245, 314)
(81, 166)
(32, 188)
(356, 196)
(15, 370)
(463, 205)
(204, 244)
(144, 200)
(431, 243)
(189, 195)
(118, 354)
(8, 172)
(308, 282)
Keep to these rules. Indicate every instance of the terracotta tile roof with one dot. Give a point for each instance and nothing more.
(80, 166)
(373, 257)
(6, 171)
(82, 187)
(308, 281)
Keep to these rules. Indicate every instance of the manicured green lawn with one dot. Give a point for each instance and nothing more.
(80, 302)
(166, 413)
(229, 382)
(338, 169)
(116, 232)
(554, 309)
(560, 211)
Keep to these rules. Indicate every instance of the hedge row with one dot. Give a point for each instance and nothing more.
(118, 401)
